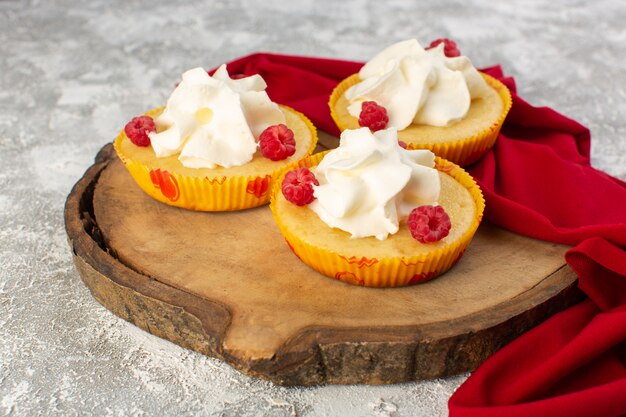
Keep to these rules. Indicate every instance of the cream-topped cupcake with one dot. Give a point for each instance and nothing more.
(376, 214)
(436, 102)
(217, 144)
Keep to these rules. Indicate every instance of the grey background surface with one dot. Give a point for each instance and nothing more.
(73, 72)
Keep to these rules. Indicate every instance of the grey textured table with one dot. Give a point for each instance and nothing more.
(72, 73)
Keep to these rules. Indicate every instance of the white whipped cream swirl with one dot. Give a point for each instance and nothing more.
(369, 183)
(417, 85)
(214, 121)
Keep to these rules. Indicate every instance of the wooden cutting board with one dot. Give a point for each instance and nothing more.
(227, 285)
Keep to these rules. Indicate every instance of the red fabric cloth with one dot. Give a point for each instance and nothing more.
(538, 182)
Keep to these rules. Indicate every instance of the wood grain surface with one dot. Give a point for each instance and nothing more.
(227, 285)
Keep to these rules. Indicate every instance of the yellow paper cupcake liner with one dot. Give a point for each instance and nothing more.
(219, 193)
(385, 272)
(462, 151)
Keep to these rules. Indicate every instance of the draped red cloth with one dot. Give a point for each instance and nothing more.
(537, 181)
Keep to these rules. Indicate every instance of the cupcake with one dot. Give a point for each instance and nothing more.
(373, 213)
(217, 145)
(435, 99)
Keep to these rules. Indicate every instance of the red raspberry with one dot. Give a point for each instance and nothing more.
(373, 116)
(429, 223)
(402, 144)
(449, 49)
(297, 186)
(277, 142)
(138, 128)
